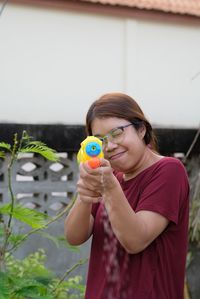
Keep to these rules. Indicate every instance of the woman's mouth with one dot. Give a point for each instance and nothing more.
(116, 156)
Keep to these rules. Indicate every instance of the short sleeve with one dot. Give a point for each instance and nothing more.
(166, 190)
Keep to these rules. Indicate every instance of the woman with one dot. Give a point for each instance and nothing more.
(135, 206)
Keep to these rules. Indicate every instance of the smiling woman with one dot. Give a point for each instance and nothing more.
(135, 206)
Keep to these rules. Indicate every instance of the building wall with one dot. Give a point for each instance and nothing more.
(54, 63)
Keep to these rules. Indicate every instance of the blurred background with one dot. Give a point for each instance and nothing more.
(57, 57)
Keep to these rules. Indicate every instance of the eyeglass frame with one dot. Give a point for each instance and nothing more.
(105, 140)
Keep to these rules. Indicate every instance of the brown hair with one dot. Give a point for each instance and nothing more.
(122, 106)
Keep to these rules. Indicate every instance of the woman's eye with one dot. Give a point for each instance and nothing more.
(116, 133)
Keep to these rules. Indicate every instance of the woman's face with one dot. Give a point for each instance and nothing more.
(123, 147)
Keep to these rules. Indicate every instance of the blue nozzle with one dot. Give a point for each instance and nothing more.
(93, 149)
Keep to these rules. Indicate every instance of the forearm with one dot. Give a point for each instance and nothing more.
(128, 228)
(78, 223)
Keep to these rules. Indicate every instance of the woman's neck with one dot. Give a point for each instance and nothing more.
(148, 159)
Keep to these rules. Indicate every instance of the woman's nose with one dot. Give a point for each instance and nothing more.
(110, 146)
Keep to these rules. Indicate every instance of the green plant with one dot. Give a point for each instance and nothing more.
(29, 278)
(193, 168)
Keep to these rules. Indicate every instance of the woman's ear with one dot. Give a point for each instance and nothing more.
(142, 131)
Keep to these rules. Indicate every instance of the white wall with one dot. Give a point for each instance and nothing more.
(161, 74)
(54, 63)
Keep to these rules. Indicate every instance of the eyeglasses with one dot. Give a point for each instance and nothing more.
(114, 136)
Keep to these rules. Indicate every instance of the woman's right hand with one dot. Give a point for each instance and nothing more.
(86, 191)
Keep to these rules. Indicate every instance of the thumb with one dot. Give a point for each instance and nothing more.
(104, 162)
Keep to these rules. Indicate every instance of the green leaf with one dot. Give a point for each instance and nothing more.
(30, 267)
(4, 286)
(30, 288)
(41, 149)
(15, 238)
(5, 146)
(2, 155)
(5, 209)
(31, 217)
(2, 230)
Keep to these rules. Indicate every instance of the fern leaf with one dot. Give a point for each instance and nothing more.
(41, 149)
(15, 238)
(5, 146)
(1, 230)
(25, 137)
(31, 217)
(39, 143)
(4, 286)
(5, 209)
(2, 155)
(30, 288)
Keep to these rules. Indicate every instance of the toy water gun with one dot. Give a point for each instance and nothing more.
(91, 151)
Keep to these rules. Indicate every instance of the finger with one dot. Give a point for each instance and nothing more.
(87, 188)
(89, 193)
(86, 183)
(104, 162)
(90, 181)
(89, 199)
(87, 169)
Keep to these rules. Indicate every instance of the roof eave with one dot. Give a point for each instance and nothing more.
(112, 10)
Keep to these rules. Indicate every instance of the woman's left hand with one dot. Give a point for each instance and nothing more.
(108, 180)
(100, 179)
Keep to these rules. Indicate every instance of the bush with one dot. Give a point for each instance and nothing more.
(29, 278)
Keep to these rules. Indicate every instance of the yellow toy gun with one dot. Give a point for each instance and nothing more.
(91, 151)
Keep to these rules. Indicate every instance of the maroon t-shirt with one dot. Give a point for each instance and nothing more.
(158, 271)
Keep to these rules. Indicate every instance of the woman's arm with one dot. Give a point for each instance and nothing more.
(135, 231)
(79, 223)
